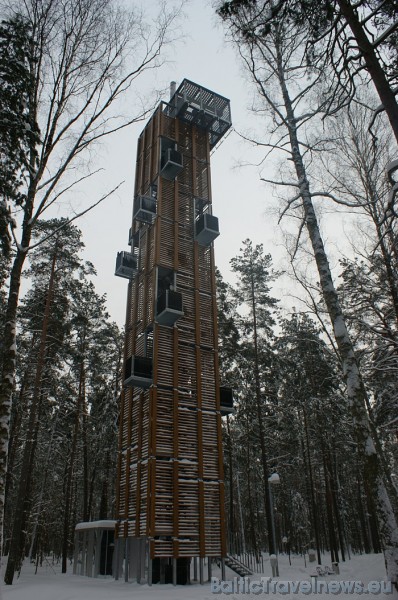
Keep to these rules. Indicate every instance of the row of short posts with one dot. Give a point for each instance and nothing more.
(197, 561)
(132, 554)
(251, 561)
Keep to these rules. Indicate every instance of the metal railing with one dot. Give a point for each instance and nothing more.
(250, 560)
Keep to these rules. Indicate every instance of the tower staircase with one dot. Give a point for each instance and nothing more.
(237, 566)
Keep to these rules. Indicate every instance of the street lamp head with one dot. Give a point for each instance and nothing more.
(274, 479)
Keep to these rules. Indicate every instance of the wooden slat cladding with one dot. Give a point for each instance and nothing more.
(170, 486)
(167, 126)
(186, 216)
(202, 180)
(166, 251)
(164, 446)
(166, 205)
(204, 283)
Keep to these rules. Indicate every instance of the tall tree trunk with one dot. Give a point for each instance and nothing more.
(7, 381)
(71, 464)
(362, 518)
(91, 493)
(335, 491)
(45, 469)
(378, 480)
(103, 509)
(264, 459)
(252, 521)
(373, 66)
(31, 439)
(371, 512)
(249, 481)
(329, 507)
(231, 487)
(85, 464)
(8, 375)
(14, 440)
(309, 472)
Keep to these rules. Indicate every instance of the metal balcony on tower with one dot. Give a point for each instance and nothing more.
(126, 265)
(144, 209)
(206, 229)
(169, 307)
(138, 372)
(169, 301)
(199, 106)
(226, 401)
(171, 163)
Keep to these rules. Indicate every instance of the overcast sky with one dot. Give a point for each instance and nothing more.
(238, 197)
(241, 202)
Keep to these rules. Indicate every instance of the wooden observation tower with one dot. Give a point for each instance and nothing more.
(170, 489)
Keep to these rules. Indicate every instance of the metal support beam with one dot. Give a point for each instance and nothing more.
(126, 560)
(97, 558)
(223, 569)
(150, 571)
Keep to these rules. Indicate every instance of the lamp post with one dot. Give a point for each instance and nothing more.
(273, 479)
(242, 529)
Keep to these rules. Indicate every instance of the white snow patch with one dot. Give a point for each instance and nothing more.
(104, 524)
(50, 584)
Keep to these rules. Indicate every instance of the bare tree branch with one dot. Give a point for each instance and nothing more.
(77, 216)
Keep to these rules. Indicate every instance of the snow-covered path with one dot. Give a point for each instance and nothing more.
(50, 584)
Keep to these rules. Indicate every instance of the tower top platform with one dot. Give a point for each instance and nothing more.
(199, 106)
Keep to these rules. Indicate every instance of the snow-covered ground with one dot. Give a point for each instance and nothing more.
(50, 584)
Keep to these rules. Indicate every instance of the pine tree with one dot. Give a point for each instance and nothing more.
(78, 75)
(72, 452)
(228, 356)
(228, 332)
(310, 389)
(255, 274)
(371, 314)
(18, 132)
(53, 268)
(274, 52)
(89, 332)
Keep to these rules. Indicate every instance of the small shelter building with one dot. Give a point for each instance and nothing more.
(94, 550)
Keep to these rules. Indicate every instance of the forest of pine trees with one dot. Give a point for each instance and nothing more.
(315, 386)
(63, 433)
(291, 414)
(302, 412)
